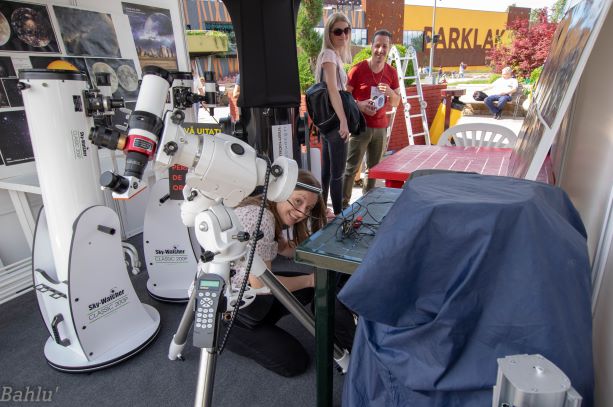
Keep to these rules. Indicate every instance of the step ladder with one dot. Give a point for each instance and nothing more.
(402, 64)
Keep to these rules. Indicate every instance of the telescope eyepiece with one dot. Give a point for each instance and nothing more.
(114, 182)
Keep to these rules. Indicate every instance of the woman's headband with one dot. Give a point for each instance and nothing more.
(311, 188)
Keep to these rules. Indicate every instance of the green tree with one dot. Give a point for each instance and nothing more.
(308, 40)
(305, 73)
(535, 14)
(366, 53)
(557, 10)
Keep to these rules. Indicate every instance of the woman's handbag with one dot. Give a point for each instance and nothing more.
(323, 115)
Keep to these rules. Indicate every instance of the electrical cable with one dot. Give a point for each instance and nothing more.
(352, 222)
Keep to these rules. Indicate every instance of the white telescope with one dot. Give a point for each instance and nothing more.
(83, 289)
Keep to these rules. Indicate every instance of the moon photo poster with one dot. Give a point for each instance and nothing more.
(124, 78)
(153, 35)
(26, 27)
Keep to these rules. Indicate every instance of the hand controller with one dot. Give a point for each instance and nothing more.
(209, 297)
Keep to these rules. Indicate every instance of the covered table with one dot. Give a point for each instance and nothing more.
(466, 269)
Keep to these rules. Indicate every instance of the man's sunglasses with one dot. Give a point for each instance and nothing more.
(340, 31)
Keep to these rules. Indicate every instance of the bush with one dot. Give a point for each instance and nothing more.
(535, 75)
(493, 77)
(366, 53)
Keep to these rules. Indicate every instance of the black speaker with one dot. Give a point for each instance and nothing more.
(266, 43)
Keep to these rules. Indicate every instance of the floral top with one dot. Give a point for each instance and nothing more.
(266, 247)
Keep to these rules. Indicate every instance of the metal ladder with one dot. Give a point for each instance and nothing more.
(401, 67)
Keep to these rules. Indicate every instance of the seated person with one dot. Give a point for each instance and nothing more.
(503, 89)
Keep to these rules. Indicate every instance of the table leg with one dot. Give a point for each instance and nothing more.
(24, 214)
(324, 334)
(390, 183)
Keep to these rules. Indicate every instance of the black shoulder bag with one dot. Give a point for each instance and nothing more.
(323, 115)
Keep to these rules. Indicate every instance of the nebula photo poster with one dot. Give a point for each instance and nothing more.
(153, 35)
(87, 33)
(26, 27)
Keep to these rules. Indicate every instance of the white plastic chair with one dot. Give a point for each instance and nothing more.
(478, 135)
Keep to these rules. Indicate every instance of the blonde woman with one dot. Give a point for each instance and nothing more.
(335, 51)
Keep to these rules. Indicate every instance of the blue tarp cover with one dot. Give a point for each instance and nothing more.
(466, 269)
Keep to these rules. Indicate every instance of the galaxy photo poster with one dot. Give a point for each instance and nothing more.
(26, 27)
(87, 33)
(15, 144)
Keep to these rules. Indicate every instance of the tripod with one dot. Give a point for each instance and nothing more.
(217, 228)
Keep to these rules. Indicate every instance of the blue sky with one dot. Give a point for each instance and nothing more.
(491, 5)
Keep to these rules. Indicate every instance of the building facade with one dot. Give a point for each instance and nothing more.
(464, 35)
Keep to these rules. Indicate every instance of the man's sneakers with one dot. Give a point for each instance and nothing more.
(498, 116)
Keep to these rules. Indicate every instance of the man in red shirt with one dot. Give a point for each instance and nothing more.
(372, 82)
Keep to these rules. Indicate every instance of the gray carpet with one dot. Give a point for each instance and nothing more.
(148, 378)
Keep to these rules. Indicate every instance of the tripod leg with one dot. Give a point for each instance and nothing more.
(295, 307)
(180, 337)
(206, 378)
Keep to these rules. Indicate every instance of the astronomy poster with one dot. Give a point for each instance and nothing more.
(9, 94)
(6, 67)
(69, 63)
(124, 78)
(4, 99)
(6, 71)
(568, 46)
(87, 33)
(26, 27)
(12, 92)
(153, 35)
(15, 145)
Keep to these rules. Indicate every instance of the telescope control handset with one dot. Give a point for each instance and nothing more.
(221, 167)
(209, 299)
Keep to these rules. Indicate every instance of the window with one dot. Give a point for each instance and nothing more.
(414, 38)
(359, 36)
